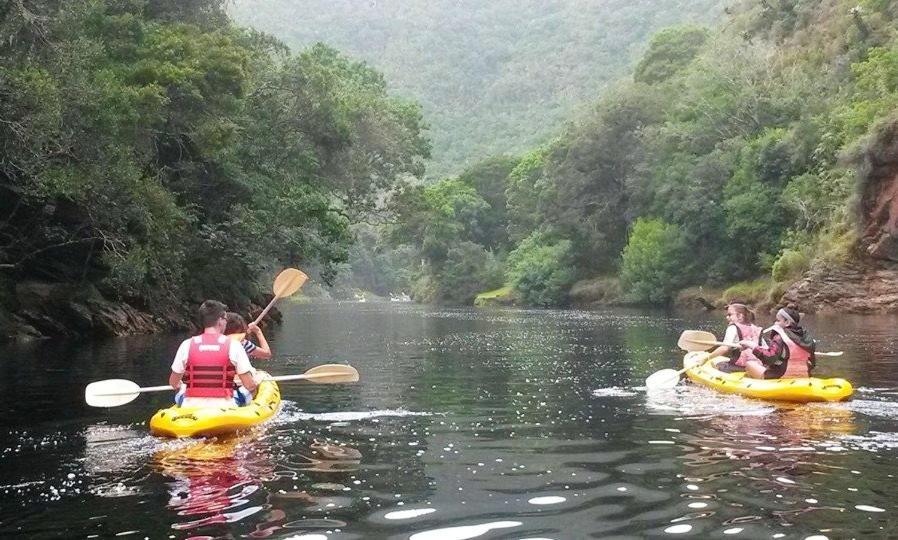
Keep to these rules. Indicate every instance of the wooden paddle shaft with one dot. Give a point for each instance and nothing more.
(703, 342)
(139, 390)
(265, 311)
(304, 376)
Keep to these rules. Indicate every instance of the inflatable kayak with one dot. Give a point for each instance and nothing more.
(209, 421)
(796, 390)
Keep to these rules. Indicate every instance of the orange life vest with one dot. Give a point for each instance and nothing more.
(799, 357)
(209, 373)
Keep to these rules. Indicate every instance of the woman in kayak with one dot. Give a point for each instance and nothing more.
(789, 353)
(741, 327)
(257, 349)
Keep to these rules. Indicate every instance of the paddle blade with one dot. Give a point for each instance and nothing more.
(324, 374)
(695, 340)
(332, 373)
(661, 380)
(111, 393)
(288, 282)
(834, 353)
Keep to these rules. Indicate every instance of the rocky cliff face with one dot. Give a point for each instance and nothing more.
(869, 283)
(57, 309)
(38, 309)
(861, 287)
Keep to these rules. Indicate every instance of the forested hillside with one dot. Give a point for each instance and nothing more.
(492, 77)
(760, 150)
(152, 154)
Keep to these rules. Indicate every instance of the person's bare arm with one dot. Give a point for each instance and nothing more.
(262, 351)
(247, 380)
(175, 380)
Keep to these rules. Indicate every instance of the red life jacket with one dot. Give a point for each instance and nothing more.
(209, 373)
(797, 364)
(747, 331)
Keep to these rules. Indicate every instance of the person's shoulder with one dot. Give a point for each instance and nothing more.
(236, 346)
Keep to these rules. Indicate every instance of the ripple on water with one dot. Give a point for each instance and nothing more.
(346, 416)
(875, 408)
(873, 441)
(546, 500)
(464, 532)
(613, 391)
(409, 514)
(697, 402)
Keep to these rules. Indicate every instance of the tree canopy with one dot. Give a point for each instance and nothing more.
(156, 150)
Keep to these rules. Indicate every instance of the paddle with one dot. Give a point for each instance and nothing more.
(286, 283)
(115, 392)
(669, 378)
(697, 340)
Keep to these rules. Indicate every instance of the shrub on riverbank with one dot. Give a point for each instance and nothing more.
(540, 269)
(653, 263)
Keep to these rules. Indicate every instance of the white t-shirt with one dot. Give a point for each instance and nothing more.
(236, 355)
(731, 335)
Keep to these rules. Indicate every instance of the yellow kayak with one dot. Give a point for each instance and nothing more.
(208, 421)
(796, 390)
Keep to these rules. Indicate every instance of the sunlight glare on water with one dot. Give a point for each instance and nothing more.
(465, 424)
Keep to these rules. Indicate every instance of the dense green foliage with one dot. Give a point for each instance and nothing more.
(157, 151)
(653, 261)
(493, 77)
(539, 269)
(152, 148)
(727, 157)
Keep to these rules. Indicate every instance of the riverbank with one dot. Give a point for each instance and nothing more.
(36, 310)
(858, 286)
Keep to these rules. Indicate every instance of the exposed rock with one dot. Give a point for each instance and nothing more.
(46, 324)
(121, 320)
(80, 317)
(47, 309)
(854, 288)
(599, 291)
(39, 309)
(879, 200)
(869, 283)
(40, 295)
(15, 328)
(705, 298)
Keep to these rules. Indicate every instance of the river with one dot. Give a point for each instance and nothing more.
(512, 424)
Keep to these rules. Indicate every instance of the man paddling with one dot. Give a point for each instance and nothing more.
(210, 361)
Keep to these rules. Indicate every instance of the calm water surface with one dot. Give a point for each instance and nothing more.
(465, 424)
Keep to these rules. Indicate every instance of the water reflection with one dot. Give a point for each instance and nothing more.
(213, 480)
(225, 480)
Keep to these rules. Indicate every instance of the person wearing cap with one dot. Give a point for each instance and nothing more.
(788, 353)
